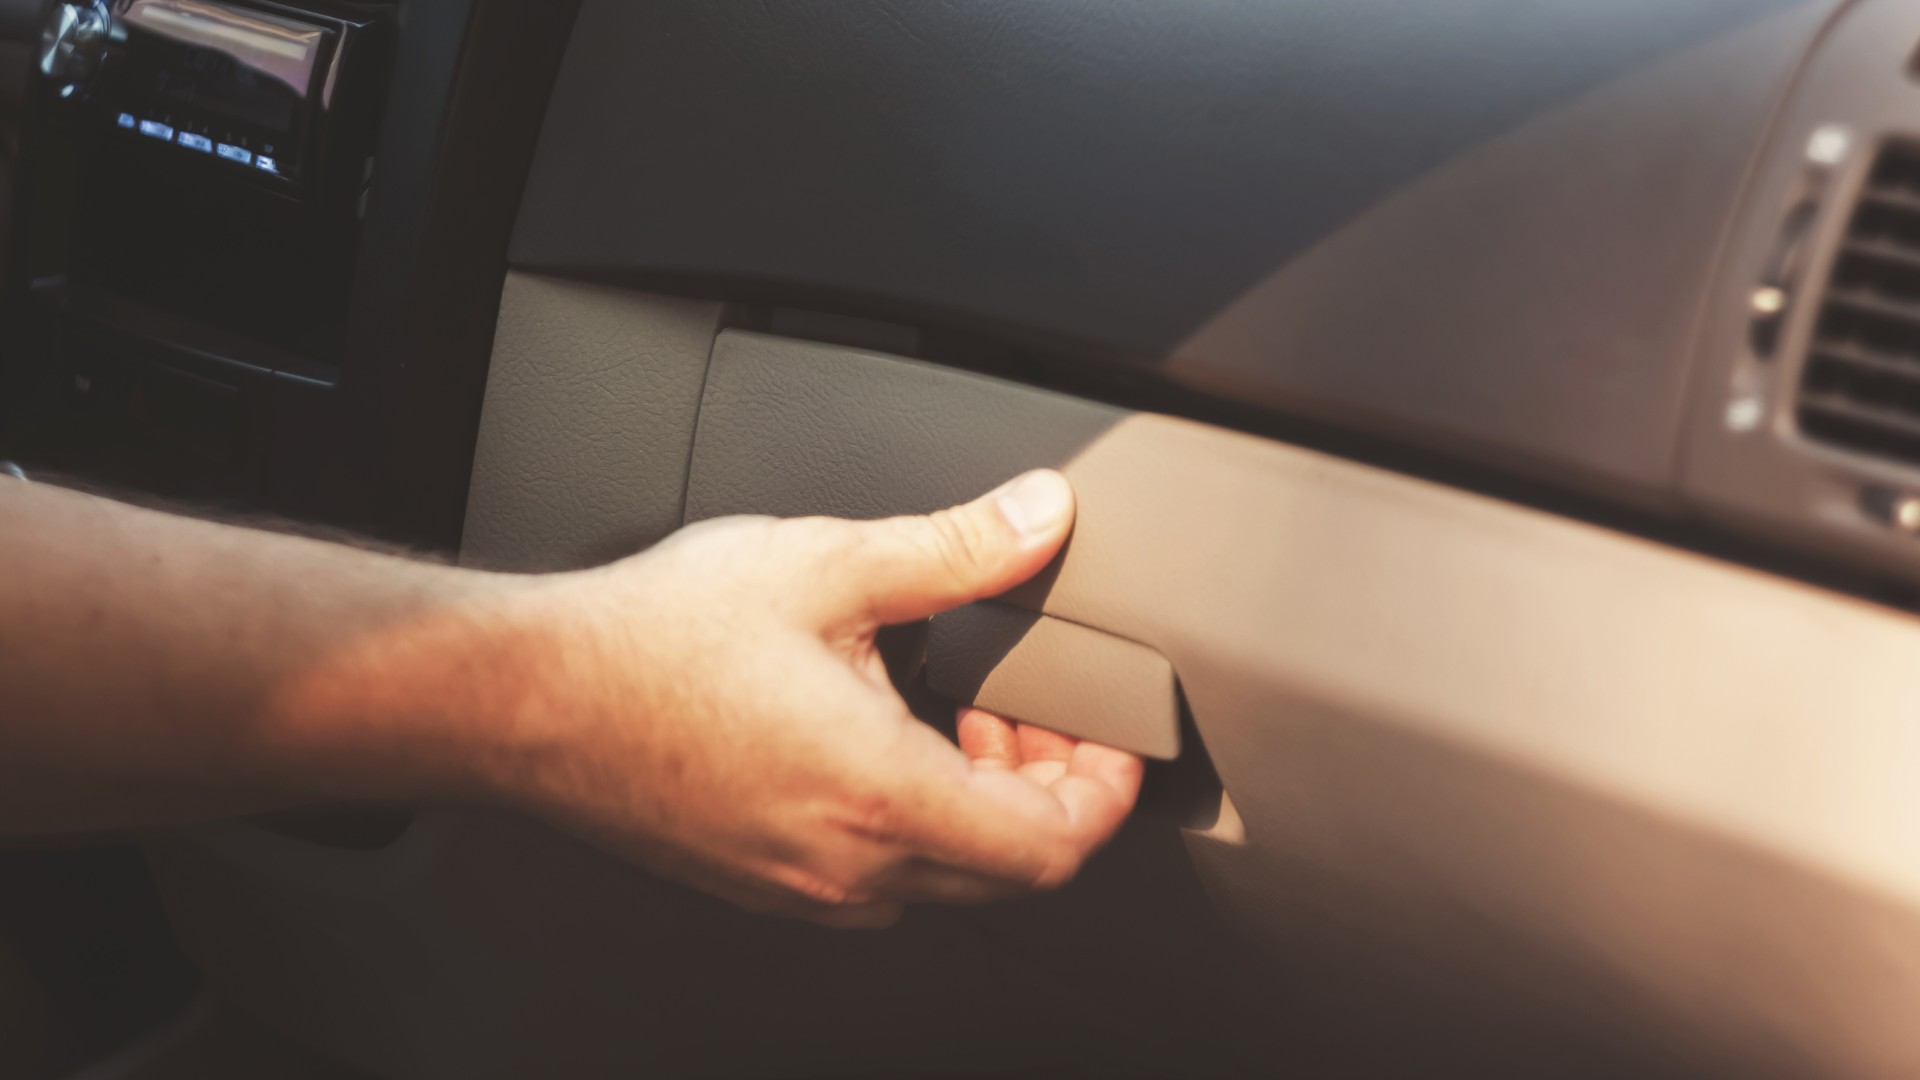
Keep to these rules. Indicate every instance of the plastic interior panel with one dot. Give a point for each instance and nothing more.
(1522, 749)
(1056, 675)
(1543, 798)
(1768, 476)
(587, 426)
(1484, 230)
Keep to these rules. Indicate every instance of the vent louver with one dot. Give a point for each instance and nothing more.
(1861, 389)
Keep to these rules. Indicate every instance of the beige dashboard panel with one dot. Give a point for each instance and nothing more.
(1468, 741)
(591, 401)
(1057, 675)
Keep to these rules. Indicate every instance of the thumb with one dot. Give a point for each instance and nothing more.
(908, 568)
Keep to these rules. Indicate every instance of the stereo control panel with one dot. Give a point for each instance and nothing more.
(273, 94)
(242, 84)
(267, 158)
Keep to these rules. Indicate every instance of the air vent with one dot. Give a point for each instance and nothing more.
(1862, 384)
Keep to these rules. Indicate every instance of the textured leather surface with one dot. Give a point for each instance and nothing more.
(591, 402)
(790, 438)
(1463, 736)
(1479, 226)
(1052, 673)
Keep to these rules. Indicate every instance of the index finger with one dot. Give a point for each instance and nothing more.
(994, 743)
(990, 821)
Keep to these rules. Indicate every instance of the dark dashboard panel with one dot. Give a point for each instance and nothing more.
(1124, 180)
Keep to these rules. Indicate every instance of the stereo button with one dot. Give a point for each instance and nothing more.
(234, 153)
(156, 129)
(196, 142)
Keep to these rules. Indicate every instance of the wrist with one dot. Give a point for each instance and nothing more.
(421, 701)
(498, 689)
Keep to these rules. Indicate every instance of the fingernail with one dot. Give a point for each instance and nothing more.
(1033, 504)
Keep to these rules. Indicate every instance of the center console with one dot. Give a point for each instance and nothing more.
(225, 154)
(258, 248)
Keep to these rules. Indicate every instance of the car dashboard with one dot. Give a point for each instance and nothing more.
(1496, 417)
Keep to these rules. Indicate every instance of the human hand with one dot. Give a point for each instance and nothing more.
(716, 710)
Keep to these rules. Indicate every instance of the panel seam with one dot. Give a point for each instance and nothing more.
(700, 414)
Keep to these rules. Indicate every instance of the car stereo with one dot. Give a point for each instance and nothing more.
(209, 165)
(250, 88)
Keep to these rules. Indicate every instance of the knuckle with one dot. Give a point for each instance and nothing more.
(872, 817)
(818, 889)
(960, 545)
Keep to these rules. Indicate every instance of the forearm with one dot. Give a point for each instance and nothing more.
(155, 667)
(714, 709)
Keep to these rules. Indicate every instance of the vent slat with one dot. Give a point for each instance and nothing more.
(1872, 363)
(1838, 407)
(1904, 200)
(1883, 251)
(1877, 304)
(1861, 386)
(1845, 327)
(1885, 280)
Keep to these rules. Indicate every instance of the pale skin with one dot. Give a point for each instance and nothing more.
(713, 709)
